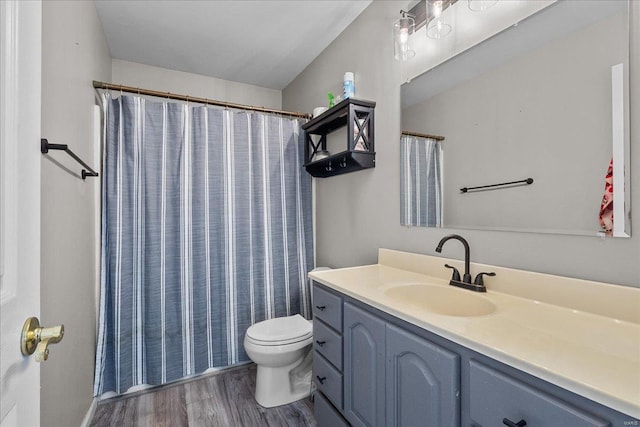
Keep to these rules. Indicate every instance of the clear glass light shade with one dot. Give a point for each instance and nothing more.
(403, 28)
(437, 27)
(480, 5)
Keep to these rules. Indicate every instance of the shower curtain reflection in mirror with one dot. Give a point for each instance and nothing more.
(420, 181)
(206, 229)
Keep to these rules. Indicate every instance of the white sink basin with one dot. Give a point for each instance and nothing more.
(447, 300)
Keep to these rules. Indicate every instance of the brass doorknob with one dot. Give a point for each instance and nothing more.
(37, 339)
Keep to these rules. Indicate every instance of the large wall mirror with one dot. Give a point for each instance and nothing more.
(545, 99)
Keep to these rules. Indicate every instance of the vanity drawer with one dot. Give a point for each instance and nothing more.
(494, 396)
(328, 307)
(325, 414)
(328, 379)
(328, 343)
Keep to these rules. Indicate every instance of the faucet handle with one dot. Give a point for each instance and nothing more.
(479, 281)
(456, 273)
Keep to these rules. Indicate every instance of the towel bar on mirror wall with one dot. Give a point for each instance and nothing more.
(522, 181)
(45, 146)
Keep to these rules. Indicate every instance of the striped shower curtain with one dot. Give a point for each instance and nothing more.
(206, 229)
(420, 182)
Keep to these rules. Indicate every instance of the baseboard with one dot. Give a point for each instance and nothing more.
(89, 416)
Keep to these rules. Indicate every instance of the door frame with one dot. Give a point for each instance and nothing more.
(20, 85)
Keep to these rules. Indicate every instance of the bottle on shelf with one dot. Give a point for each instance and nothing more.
(348, 86)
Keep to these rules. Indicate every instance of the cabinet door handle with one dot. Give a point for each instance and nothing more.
(508, 422)
(321, 379)
(321, 307)
(321, 343)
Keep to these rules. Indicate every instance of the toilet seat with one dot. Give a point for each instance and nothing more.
(280, 331)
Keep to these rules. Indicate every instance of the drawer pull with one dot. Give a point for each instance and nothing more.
(508, 422)
(321, 343)
(321, 307)
(321, 379)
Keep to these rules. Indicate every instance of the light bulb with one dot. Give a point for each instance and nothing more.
(402, 30)
(437, 8)
(404, 35)
(437, 27)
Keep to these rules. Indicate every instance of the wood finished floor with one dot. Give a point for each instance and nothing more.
(222, 399)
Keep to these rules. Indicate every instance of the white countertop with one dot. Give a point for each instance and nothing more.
(593, 355)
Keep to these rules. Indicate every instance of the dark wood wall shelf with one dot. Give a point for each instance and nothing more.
(358, 116)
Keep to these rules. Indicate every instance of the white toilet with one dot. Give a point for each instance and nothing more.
(281, 347)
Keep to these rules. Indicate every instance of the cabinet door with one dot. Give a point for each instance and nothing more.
(364, 366)
(423, 382)
(495, 396)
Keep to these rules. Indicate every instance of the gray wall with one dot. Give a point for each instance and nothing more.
(544, 114)
(74, 52)
(358, 213)
(162, 79)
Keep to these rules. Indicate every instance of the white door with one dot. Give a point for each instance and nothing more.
(20, 75)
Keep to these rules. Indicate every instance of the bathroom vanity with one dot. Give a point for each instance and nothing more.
(394, 344)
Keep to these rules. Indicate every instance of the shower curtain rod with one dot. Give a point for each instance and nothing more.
(188, 98)
(423, 135)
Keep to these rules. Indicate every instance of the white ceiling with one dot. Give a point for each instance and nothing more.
(261, 42)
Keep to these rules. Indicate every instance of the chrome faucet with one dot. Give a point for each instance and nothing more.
(478, 283)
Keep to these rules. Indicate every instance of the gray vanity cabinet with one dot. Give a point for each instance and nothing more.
(423, 381)
(364, 367)
(395, 374)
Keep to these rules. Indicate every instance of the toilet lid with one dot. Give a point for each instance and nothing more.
(281, 330)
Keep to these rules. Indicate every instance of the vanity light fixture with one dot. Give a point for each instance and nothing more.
(437, 27)
(403, 28)
(481, 5)
(432, 15)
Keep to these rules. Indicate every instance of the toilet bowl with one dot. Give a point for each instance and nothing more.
(281, 348)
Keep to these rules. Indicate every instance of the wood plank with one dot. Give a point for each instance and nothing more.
(145, 416)
(170, 407)
(102, 415)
